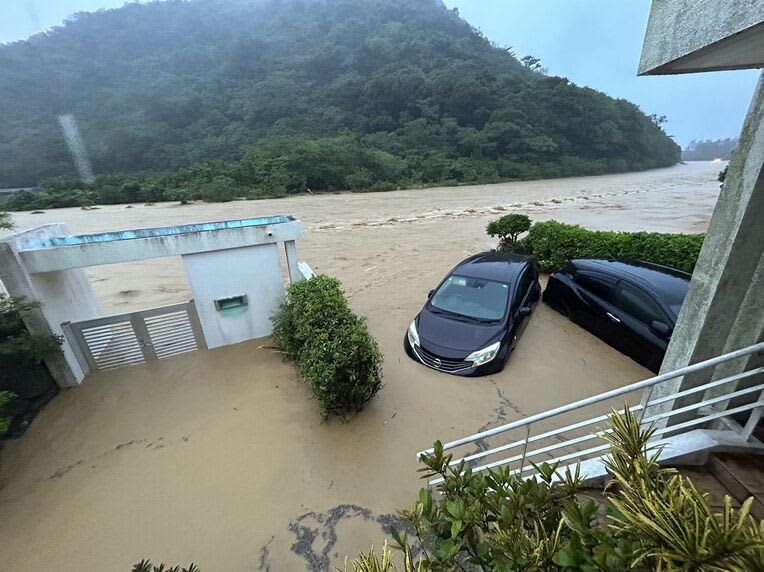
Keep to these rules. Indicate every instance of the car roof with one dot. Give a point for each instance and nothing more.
(660, 279)
(494, 265)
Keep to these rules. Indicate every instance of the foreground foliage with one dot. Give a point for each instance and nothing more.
(331, 346)
(146, 566)
(656, 519)
(553, 244)
(268, 98)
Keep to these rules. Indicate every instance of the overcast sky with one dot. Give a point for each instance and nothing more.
(593, 42)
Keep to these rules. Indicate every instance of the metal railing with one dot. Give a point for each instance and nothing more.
(570, 443)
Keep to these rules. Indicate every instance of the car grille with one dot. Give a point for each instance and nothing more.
(441, 364)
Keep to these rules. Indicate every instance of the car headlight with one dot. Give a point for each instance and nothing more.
(413, 334)
(485, 355)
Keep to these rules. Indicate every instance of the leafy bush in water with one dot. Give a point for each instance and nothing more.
(553, 244)
(5, 221)
(496, 520)
(332, 346)
(508, 228)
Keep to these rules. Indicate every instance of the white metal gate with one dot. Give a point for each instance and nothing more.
(138, 337)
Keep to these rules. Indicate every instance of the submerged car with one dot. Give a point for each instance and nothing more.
(631, 306)
(473, 319)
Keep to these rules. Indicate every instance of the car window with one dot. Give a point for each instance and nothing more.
(471, 297)
(522, 288)
(597, 284)
(638, 304)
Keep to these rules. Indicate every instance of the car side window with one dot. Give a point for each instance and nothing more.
(638, 304)
(597, 284)
(522, 289)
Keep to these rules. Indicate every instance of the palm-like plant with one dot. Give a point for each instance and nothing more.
(674, 522)
(146, 566)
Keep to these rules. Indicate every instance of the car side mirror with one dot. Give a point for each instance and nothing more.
(661, 328)
(524, 312)
(430, 293)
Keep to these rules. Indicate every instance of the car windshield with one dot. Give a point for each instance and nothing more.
(474, 298)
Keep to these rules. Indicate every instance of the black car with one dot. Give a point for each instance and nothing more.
(473, 319)
(631, 306)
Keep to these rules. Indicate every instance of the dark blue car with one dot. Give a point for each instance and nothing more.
(633, 306)
(473, 319)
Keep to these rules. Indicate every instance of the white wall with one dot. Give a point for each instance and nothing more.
(66, 296)
(254, 271)
(63, 296)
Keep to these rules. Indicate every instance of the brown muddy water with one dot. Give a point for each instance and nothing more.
(220, 457)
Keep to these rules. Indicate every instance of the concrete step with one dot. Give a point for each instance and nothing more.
(742, 476)
(691, 449)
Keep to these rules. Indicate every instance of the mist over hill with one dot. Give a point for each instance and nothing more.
(272, 97)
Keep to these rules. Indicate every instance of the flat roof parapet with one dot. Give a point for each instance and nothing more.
(160, 231)
(81, 251)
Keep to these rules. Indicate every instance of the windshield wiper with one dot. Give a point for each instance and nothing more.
(459, 316)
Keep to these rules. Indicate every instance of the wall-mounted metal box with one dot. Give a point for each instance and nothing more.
(231, 302)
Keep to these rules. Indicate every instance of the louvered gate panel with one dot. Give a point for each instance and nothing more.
(128, 339)
(113, 345)
(171, 334)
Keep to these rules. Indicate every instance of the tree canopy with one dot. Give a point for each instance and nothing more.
(278, 96)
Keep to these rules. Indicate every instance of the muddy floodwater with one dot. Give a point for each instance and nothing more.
(220, 457)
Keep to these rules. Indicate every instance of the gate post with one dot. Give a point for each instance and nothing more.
(77, 342)
(144, 339)
(196, 325)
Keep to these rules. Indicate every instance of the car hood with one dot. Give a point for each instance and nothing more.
(449, 333)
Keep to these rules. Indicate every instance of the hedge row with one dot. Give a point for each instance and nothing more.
(331, 346)
(553, 244)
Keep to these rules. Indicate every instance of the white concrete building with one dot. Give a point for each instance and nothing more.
(233, 268)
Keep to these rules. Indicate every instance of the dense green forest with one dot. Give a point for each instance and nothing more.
(709, 149)
(218, 99)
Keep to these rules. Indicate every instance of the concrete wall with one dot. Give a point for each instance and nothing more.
(724, 309)
(63, 296)
(254, 271)
(685, 36)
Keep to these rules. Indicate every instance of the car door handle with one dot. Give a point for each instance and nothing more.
(614, 318)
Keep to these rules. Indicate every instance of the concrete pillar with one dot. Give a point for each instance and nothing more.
(292, 263)
(64, 295)
(724, 309)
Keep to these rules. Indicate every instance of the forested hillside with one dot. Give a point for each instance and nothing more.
(267, 97)
(709, 150)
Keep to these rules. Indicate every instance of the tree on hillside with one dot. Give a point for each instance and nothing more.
(5, 221)
(172, 95)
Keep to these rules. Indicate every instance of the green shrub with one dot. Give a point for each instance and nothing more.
(553, 244)
(652, 519)
(20, 352)
(5, 221)
(5, 398)
(220, 190)
(382, 187)
(331, 346)
(508, 228)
